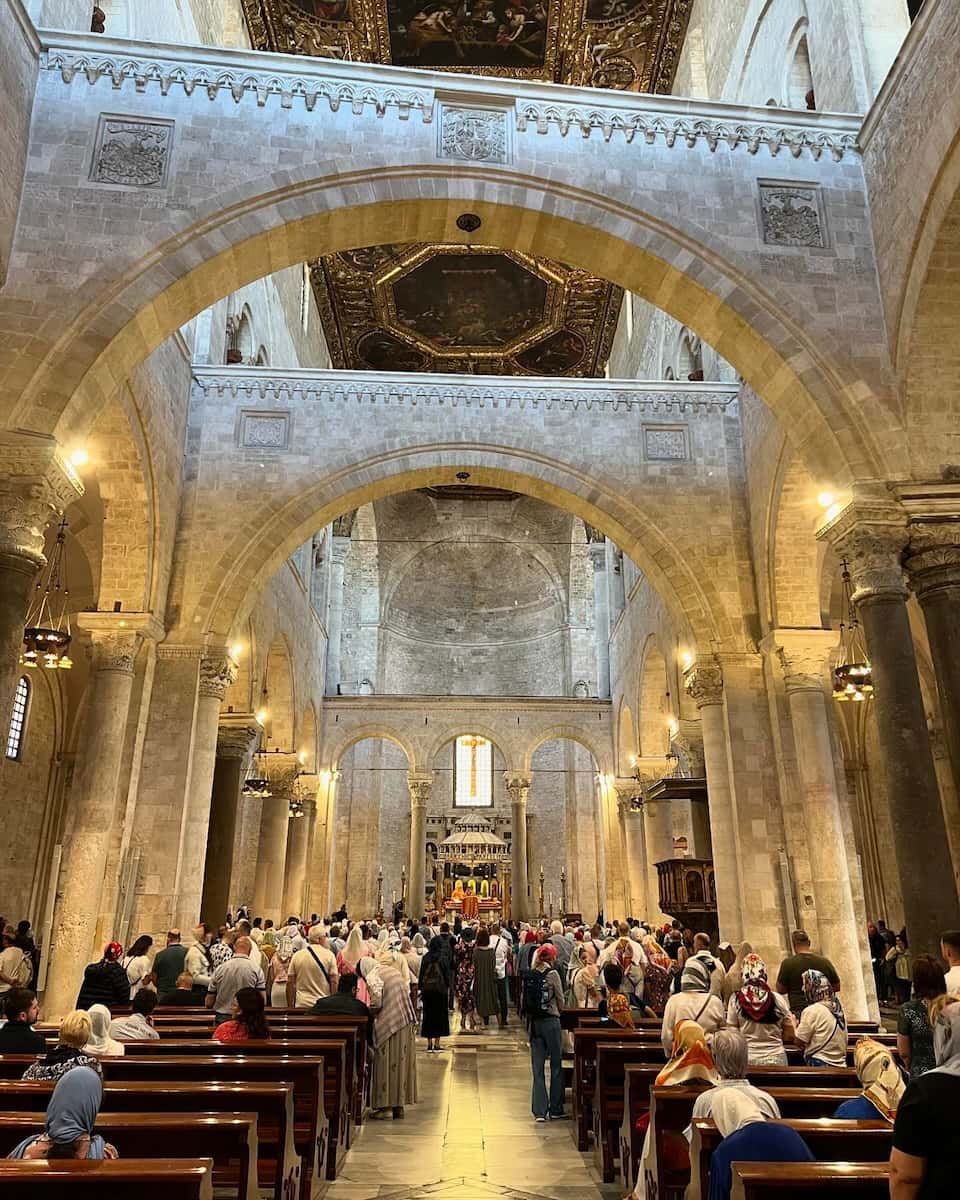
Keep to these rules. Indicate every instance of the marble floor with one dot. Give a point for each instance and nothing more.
(471, 1135)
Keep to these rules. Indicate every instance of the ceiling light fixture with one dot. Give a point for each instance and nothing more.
(47, 636)
(852, 673)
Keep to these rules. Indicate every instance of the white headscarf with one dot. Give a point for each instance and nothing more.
(731, 1109)
(946, 1039)
(353, 950)
(101, 1043)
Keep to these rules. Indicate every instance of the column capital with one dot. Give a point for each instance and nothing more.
(933, 553)
(237, 735)
(871, 534)
(803, 655)
(217, 673)
(37, 483)
(115, 638)
(518, 786)
(420, 784)
(281, 769)
(704, 683)
(629, 792)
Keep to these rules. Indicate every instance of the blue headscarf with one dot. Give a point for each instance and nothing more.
(71, 1113)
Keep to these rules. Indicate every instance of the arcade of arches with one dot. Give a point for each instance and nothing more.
(446, 449)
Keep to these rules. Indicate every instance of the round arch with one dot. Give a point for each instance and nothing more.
(334, 752)
(281, 700)
(117, 321)
(460, 727)
(602, 757)
(651, 718)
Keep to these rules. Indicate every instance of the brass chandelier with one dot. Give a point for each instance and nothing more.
(852, 673)
(47, 636)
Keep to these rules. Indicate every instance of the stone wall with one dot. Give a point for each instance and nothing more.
(18, 81)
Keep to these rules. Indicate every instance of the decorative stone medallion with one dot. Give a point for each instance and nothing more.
(264, 430)
(132, 153)
(790, 215)
(665, 443)
(474, 134)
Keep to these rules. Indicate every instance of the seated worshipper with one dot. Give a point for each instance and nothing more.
(926, 1132)
(136, 963)
(236, 973)
(657, 979)
(394, 1083)
(749, 1137)
(70, 1120)
(247, 1021)
(183, 995)
(345, 1002)
(138, 1026)
(68, 1052)
(16, 965)
(730, 1056)
(615, 1006)
(17, 1035)
(101, 1043)
(822, 1032)
(485, 994)
(312, 971)
(694, 1002)
(762, 1014)
(691, 1065)
(914, 1031)
(434, 986)
(105, 982)
(584, 976)
(883, 1085)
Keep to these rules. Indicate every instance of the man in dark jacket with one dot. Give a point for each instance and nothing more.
(105, 982)
(344, 1003)
(18, 1036)
(168, 966)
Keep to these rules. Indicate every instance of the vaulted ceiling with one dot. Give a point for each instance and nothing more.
(460, 308)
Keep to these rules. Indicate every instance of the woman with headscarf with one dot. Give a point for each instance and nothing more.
(349, 957)
(584, 976)
(105, 982)
(690, 1065)
(101, 1043)
(926, 1136)
(410, 957)
(435, 984)
(394, 1083)
(749, 1137)
(762, 1015)
(657, 980)
(822, 1032)
(463, 981)
(69, 1051)
(70, 1120)
(883, 1085)
(694, 1002)
(369, 983)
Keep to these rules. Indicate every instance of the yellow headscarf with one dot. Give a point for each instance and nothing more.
(691, 1058)
(882, 1082)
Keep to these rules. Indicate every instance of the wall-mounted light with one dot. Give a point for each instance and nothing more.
(79, 457)
(826, 499)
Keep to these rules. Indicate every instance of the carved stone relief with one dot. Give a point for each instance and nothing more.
(791, 216)
(264, 431)
(132, 153)
(665, 443)
(474, 134)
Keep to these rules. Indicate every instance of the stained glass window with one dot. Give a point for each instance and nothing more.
(473, 772)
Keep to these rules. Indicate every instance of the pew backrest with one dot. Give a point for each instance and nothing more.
(119, 1179)
(771, 1181)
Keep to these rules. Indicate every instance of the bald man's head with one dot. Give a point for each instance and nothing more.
(242, 947)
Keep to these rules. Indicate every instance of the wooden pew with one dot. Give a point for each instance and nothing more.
(829, 1141)
(671, 1110)
(228, 1139)
(279, 1166)
(769, 1181)
(122, 1179)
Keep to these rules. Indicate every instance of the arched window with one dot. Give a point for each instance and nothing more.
(18, 718)
(800, 84)
(472, 772)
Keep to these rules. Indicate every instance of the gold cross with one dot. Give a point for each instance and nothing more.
(472, 743)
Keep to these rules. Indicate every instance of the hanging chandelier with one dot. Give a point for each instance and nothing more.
(256, 785)
(296, 800)
(852, 673)
(47, 636)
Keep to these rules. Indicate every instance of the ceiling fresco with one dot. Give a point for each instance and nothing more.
(475, 309)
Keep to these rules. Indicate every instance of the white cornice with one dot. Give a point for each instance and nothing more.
(671, 120)
(26, 25)
(568, 705)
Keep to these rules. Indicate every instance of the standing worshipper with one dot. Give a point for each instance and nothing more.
(822, 1032)
(105, 982)
(926, 1133)
(101, 1044)
(657, 980)
(790, 976)
(883, 1085)
(463, 982)
(434, 989)
(542, 1001)
(348, 958)
(136, 963)
(237, 972)
(762, 1015)
(485, 995)
(914, 1031)
(410, 956)
(394, 1083)
(169, 965)
(585, 976)
(68, 1129)
(312, 972)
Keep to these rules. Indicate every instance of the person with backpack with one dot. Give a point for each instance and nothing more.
(436, 979)
(542, 995)
(16, 966)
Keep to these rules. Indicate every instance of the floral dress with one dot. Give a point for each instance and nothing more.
(913, 1022)
(463, 981)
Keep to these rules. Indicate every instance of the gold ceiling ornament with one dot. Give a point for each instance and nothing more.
(627, 45)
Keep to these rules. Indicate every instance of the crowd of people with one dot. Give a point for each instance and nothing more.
(721, 1011)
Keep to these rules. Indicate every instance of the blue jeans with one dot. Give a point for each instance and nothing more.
(545, 1042)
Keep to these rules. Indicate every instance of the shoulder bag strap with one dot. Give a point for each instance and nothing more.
(313, 955)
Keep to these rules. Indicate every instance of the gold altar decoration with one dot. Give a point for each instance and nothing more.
(459, 890)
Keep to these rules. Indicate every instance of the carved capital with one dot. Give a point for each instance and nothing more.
(933, 556)
(217, 673)
(518, 787)
(36, 484)
(281, 770)
(871, 534)
(704, 684)
(115, 638)
(421, 789)
(237, 736)
(803, 654)
(629, 795)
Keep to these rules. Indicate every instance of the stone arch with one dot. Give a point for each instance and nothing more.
(796, 556)
(823, 402)
(239, 696)
(798, 81)
(652, 719)
(281, 700)
(333, 751)
(602, 756)
(459, 727)
(627, 744)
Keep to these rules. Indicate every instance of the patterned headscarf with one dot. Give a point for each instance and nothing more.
(112, 952)
(882, 1082)
(623, 953)
(696, 975)
(691, 1058)
(946, 1037)
(618, 1010)
(655, 952)
(755, 998)
(817, 987)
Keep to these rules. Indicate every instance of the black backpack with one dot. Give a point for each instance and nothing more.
(534, 994)
(432, 979)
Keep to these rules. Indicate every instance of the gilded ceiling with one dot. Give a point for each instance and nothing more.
(474, 308)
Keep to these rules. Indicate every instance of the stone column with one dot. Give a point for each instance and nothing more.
(803, 655)
(281, 770)
(298, 843)
(217, 672)
(237, 738)
(321, 861)
(115, 640)
(338, 555)
(36, 486)
(601, 616)
(871, 535)
(704, 684)
(615, 582)
(635, 845)
(518, 787)
(421, 789)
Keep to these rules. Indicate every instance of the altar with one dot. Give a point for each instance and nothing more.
(472, 878)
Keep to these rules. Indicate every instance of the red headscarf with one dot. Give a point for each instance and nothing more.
(547, 951)
(112, 952)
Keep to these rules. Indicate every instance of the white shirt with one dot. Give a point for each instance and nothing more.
(703, 1105)
(500, 947)
(311, 984)
(822, 1035)
(764, 1038)
(137, 970)
(684, 1006)
(952, 981)
(10, 960)
(133, 1028)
